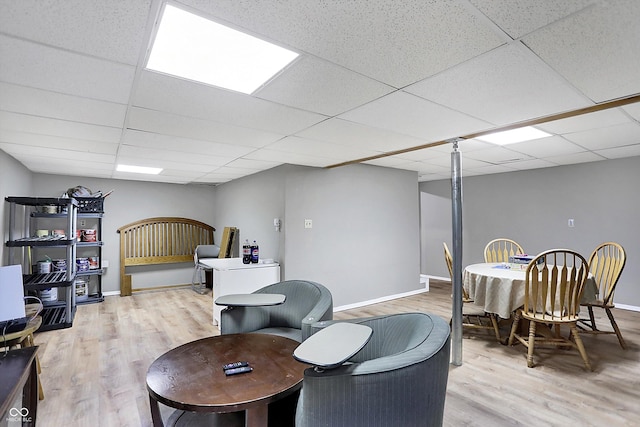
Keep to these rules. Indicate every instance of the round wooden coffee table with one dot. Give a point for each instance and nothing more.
(191, 378)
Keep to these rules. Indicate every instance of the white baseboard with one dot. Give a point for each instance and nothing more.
(627, 307)
(446, 279)
(111, 293)
(377, 300)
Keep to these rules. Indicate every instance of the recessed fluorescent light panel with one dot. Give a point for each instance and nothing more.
(195, 48)
(138, 169)
(526, 133)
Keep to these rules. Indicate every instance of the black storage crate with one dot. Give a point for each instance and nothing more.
(90, 204)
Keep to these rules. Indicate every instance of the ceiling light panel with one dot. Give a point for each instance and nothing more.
(527, 133)
(138, 169)
(195, 48)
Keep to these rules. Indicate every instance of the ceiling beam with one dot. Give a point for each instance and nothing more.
(620, 102)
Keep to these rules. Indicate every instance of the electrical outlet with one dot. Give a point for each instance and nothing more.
(308, 223)
(82, 223)
(570, 223)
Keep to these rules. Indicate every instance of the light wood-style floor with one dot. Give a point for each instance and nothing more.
(94, 373)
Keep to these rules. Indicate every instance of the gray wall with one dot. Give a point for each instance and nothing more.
(533, 206)
(15, 180)
(363, 244)
(250, 204)
(132, 201)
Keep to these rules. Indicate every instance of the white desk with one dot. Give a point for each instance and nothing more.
(333, 345)
(501, 290)
(250, 300)
(231, 276)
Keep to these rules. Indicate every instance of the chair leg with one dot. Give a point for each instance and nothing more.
(494, 322)
(40, 389)
(592, 319)
(614, 325)
(197, 275)
(514, 328)
(580, 345)
(532, 341)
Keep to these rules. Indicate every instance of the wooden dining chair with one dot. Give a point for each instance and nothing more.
(554, 283)
(473, 317)
(605, 264)
(499, 250)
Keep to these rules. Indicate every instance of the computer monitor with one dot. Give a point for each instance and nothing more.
(12, 309)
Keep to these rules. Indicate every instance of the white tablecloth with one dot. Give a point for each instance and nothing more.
(501, 290)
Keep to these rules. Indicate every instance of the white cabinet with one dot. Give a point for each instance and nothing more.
(231, 276)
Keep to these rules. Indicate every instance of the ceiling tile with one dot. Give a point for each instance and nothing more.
(504, 86)
(252, 165)
(73, 91)
(189, 147)
(392, 162)
(426, 168)
(497, 155)
(569, 159)
(151, 178)
(343, 132)
(114, 29)
(183, 97)
(316, 85)
(633, 110)
(56, 142)
(620, 152)
(23, 64)
(171, 158)
(268, 155)
(395, 45)
(596, 49)
(609, 137)
(487, 170)
(531, 164)
(89, 169)
(60, 128)
(200, 129)
(546, 147)
(589, 121)
(410, 115)
(314, 148)
(226, 173)
(428, 154)
(54, 155)
(66, 107)
(520, 17)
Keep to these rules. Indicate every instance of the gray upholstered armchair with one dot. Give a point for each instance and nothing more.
(306, 303)
(399, 378)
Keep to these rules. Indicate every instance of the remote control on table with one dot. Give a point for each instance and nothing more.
(240, 370)
(235, 365)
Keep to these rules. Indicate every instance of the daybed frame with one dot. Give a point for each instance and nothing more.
(161, 240)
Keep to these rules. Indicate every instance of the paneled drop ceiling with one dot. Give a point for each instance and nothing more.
(373, 77)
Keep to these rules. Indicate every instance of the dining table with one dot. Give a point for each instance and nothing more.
(499, 287)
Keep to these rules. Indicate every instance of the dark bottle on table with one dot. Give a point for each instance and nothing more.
(255, 255)
(246, 252)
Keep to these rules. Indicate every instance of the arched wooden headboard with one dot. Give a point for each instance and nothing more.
(161, 240)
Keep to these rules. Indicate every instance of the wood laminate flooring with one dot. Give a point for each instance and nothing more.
(94, 373)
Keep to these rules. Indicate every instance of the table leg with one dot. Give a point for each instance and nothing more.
(30, 396)
(258, 416)
(155, 413)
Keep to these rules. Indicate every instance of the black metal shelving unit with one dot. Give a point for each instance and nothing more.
(60, 313)
(91, 210)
